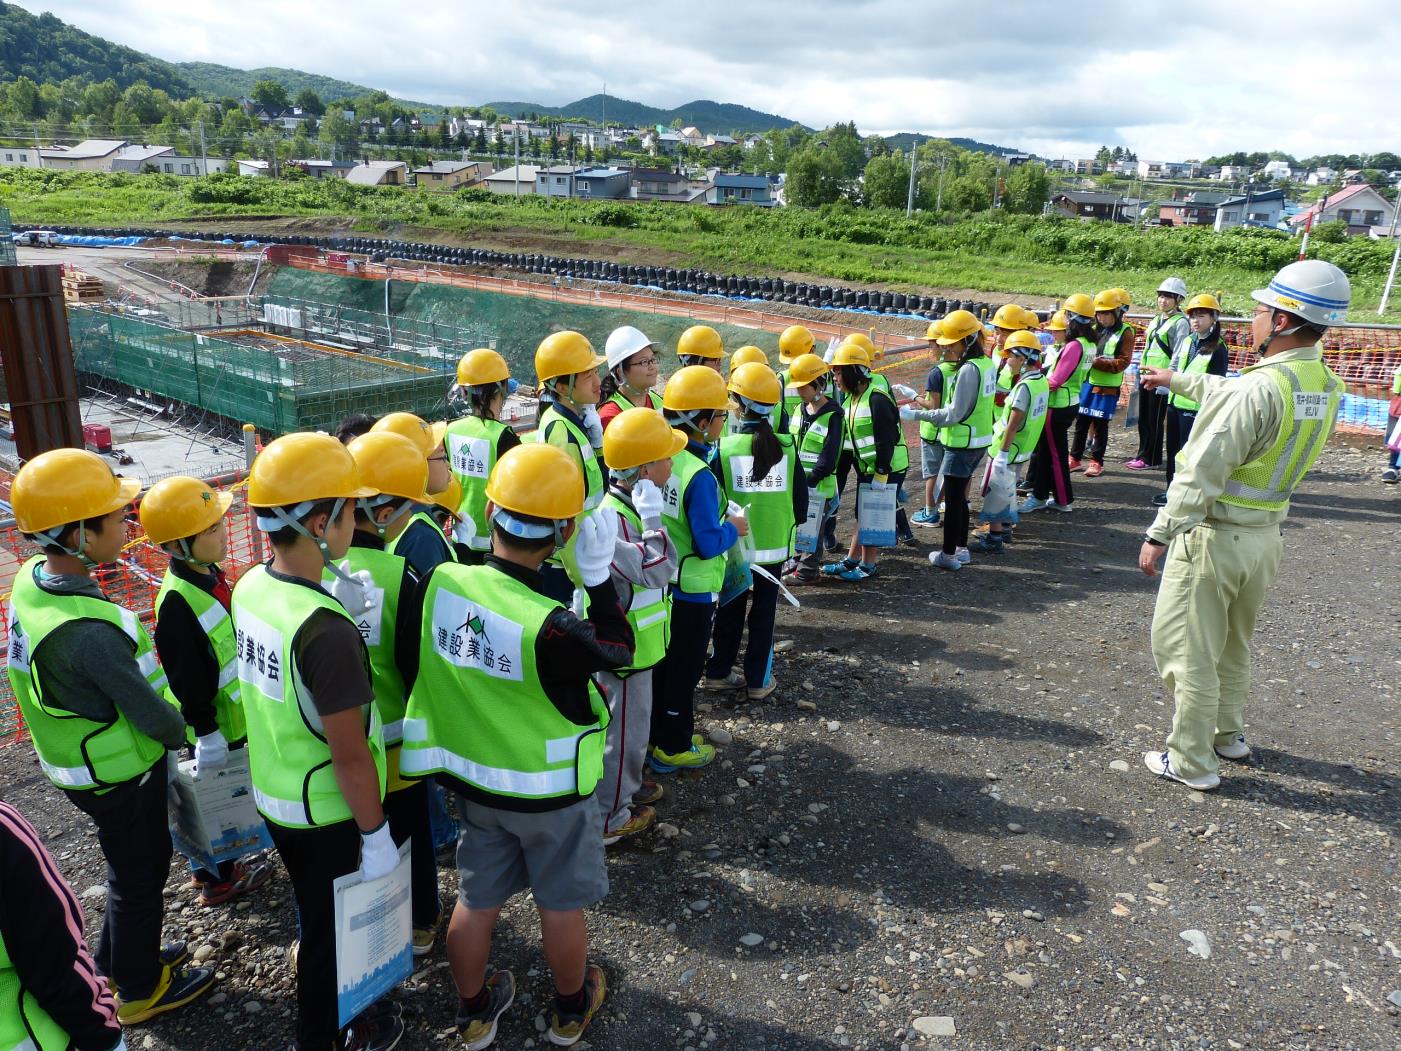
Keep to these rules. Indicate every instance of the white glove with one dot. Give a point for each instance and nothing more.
(211, 751)
(904, 391)
(909, 412)
(877, 484)
(1000, 460)
(464, 531)
(378, 854)
(647, 500)
(594, 426)
(355, 595)
(594, 547)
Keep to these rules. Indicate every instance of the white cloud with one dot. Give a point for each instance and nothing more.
(1172, 81)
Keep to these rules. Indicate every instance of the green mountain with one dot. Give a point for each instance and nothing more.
(43, 48)
(216, 81)
(903, 140)
(713, 117)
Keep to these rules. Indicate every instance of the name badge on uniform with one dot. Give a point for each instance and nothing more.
(471, 636)
(1310, 406)
(742, 470)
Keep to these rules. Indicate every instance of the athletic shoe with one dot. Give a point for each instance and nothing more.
(423, 939)
(693, 758)
(987, 545)
(833, 569)
(373, 1031)
(830, 545)
(176, 988)
(732, 681)
(869, 568)
(245, 877)
(1159, 763)
(643, 818)
(1160, 500)
(1065, 508)
(1075, 465)
(172, 955)
(854, 572)
(566, 1027)
(1094, 470)
(1235, 749)
(907, 539)
(928, 516)
(1031, 504)
(1137, 464)
(943, 561)
(797, 580)
(758, 693)
(478, 1028)
(1390, 476)
(963, 556)
(647, 792)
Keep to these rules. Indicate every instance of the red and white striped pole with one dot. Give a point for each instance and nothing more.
(1308, 228)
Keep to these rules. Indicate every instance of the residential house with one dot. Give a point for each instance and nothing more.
(1278, 170)
(256, 169)
(518, 180)
(555, 181)
(751, 141)
(663, 143)
(288, 119)
(1360, 206)
(659, 184)
(1150, 169)
(169, 162)
(733, 188)
(136, 158)
(692, 136)
(19, 157)
(467, 125)
(319, 169)
(1252, 209)
(1088, 167)
(450, 175)
(1015, 160)
(1193, 210)
(713, 142)
(1354, 175)
(378, 173)
(600, 182)
(90, 155)
(1233, 173)
(1322, 177)
(1087, 204)
(371, 127)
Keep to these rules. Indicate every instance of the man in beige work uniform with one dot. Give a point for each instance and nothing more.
(1255, 438)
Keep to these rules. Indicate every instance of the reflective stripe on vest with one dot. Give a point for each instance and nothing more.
(653, 399)
(1157, 354)
(948, 370)
(472, 443)
(558, 431)
(811, 434)
(696, 575)
(1099, 377)
(861, 435)
(76, 752)
(1060, 398)
(769, 499)
(294, 782)
(976, 431)
(1311, 393)
(649, 612)
(478, 710)
(1034, 421)
(1192, 364)
(20, 1013)
(217, 625)
(377, 626)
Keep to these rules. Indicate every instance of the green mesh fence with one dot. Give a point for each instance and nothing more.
(7, 244)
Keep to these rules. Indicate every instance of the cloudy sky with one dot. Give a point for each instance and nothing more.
(1172, 81)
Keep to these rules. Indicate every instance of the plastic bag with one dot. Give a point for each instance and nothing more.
(875, 519)
(999, 494)
(805, 539)
(1131, 412)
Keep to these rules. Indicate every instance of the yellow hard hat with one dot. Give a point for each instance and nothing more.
(747, 354)
(1080, 303)
(700, 341)
(391, 464)
(539, 480)
(450, 499)
(851, 354)
(756, 382)
(793, 342)
(308, 465)
(181, 507)
(864, 341)
(63, 486)
(481, 366)
(1204, 301)
(564, 353)
(1030, 318)
(1125, 300)
(806, 368)
(1109, 299)
(935, 330)
(1022, 339)
(693, 388)
(640, 436)
(958, 326)
(426, 436)
(1009, 316)
(1058, 322)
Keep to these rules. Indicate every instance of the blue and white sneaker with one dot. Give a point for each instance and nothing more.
(1031, 504)
(1161, 765)
(925, 516)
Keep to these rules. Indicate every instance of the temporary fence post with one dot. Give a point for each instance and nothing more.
(250, 450)
(1390, 277)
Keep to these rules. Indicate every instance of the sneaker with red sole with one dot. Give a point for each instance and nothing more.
(1094, 470)
(246, 876)
(1075, 465)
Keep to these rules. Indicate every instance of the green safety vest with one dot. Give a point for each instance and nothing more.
(1100, 378)
(693, 574)
(1062, 397)
(478, 711)
(1082, 371)
(1156, 353)
(811, 435)
(472, 443)
(1024, 443)
(378, 625)
(769, 499)
(619, 399)
(880, 382)
(1312, 393)
(1396, 381)
(428, 520)
(861, 436)
(976, 431)
(218, 628)
(294, 783)
(1004, 377)
(76, 752)
(932, 432)
(792, 400)
(556, 430)
(24, 1025)
(1192, 364)
(649, 612)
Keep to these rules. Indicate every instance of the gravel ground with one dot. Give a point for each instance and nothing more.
(940, 833)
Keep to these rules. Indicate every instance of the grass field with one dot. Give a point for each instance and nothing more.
(991, 253)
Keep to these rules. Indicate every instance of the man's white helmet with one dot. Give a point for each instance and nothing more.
(623, 343)
(1174, 286)
(1311, 289)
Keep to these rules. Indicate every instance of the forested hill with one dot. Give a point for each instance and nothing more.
(44, 48)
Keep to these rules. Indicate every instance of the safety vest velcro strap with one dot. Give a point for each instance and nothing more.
(770, 554)
(541, 785)
(68, 776)
(283, 811)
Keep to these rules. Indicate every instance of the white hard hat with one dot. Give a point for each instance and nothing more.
(623, 343)
(1312, 289)
(1174, 286)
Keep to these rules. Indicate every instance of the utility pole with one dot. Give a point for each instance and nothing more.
(203, 155)
(517, 169)
(1396, 253)
(939, 195)
(910, 194)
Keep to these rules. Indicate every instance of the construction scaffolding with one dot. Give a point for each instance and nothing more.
(7, 242)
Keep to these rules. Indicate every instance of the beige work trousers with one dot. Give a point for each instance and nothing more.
(1214, 582)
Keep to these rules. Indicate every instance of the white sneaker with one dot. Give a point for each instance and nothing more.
(1236, 749)
(1159, 763)
(963, 556)
(1067, 508)
(943, 561)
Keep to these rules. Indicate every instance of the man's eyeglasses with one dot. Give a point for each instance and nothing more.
(642, 363)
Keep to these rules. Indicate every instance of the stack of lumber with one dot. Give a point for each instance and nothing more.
(81, 287)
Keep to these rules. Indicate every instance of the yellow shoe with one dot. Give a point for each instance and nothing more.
(175, 989)
(642, 818)
(695, 757)
(423, 939)
(567, 1027)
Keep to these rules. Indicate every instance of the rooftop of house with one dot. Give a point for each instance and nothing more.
(1332, 200)
(142, 153)
(88, 149)
(1089, 196)
(525, 172)
(445, 167)
(1255, 198)
(599, 173)
(736, 180)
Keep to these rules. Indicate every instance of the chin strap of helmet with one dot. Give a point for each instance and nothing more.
(291, 518)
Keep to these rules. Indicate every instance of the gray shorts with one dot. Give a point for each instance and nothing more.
(931, 458)
(557, 854)
(961, 463)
